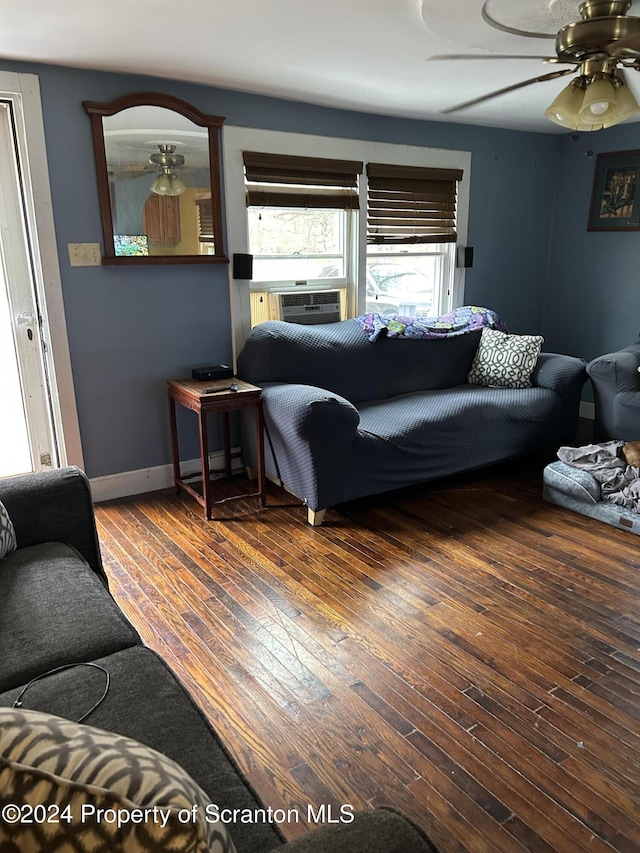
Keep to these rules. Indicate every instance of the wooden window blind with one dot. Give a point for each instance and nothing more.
(205, 220)
(280, 180)
(408, 204)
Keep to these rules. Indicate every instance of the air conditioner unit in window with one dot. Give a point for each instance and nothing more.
(309, 308)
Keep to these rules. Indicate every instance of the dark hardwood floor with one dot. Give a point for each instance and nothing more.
(462, 651)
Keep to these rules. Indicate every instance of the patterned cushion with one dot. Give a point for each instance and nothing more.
(505, 360)
(100, 791)
(7, 533)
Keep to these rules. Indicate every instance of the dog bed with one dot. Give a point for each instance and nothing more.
(579, 491)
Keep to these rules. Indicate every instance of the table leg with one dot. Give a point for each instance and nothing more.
(175, 453)
(204, 457)
(227, 444)
(262, 482)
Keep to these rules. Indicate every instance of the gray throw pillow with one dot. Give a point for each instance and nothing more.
(505, 361)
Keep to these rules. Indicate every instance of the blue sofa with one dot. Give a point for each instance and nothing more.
(347, 418)
(616, 390)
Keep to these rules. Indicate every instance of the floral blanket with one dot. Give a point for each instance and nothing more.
(456, 322)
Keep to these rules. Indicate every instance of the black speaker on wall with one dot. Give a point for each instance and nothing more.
(243, 266)
(464, 256)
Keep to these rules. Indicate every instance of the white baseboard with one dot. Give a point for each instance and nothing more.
(151, 479)
(587, 410)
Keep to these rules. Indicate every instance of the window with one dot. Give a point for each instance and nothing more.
(411, 283)
(293, 244)
(433, 261)
(204, 214)
(411, 234)
(299, 216)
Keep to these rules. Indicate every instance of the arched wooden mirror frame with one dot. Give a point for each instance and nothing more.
(97, 110)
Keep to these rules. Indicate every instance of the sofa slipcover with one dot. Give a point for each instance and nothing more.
(616, 389)
(346, 418)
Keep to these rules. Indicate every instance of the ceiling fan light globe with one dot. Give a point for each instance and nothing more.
(589, 127)
(600, 102)
(161, 185)
(561, 119)
(627, 106)
(565, 109)
(177, 186)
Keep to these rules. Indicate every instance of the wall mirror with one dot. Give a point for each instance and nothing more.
(158, 171)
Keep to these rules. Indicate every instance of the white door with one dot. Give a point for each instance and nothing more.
(27, 441)
(15, 450)
(32, 423)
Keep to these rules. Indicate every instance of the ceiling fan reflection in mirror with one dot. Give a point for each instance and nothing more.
(598, 47)
(166, 161)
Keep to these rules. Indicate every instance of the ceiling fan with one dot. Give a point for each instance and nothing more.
(598, 46)
(166, 161)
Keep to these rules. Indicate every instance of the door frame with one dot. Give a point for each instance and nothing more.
(24, 91)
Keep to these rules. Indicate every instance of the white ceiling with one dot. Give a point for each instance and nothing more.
(370, 55)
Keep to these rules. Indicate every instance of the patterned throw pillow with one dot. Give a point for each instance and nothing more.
(505, 360)
(7, 533)
(65, 786)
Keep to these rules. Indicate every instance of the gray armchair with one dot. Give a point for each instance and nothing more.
(616, 388)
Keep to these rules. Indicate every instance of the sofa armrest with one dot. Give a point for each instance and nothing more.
(616, 392)
(618, 370)
(373, 831)
(309, 431)
(626, 415)
(561, 373)
(54, 506)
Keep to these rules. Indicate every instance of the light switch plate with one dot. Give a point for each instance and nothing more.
(84, 254)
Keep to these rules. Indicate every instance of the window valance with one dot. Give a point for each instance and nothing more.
(280, 180)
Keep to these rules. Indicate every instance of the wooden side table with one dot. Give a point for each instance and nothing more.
(192, 394)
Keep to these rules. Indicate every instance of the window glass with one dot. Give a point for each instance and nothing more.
(293, 244)
(410, 283)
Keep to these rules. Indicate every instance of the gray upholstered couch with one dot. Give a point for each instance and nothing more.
(346, 418)
(55, 609)
(616, 389)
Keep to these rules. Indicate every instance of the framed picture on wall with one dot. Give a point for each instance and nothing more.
(614, 206)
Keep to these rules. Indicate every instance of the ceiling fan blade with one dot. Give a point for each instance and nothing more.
(629, 43)
(552, 76)
(462, 56)
(512, 30)
(127, 174)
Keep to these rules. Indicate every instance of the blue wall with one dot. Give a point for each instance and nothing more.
(593, 288)
(130, 329)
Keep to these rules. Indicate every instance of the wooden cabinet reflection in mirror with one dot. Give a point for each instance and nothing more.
(158, 172)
